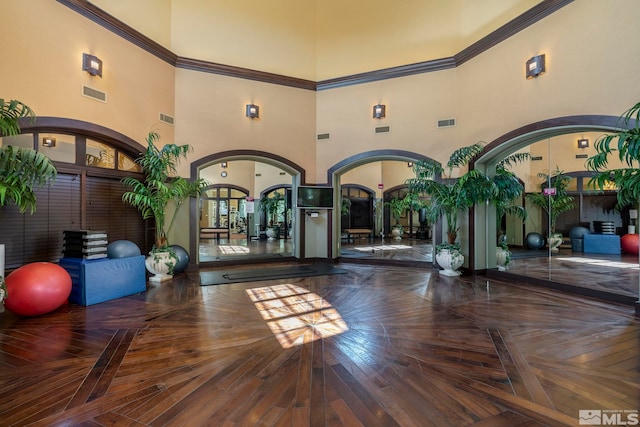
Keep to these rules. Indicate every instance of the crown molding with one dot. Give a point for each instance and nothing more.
(243, 73)
(519, 23)
(100, 17)
(533, 15)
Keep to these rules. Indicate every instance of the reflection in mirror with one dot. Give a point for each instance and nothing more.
(578, 260)
(231, 227)
(378, 220)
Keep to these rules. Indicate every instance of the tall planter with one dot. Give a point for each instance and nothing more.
(450, 260)
(160, 187)
(161, 265)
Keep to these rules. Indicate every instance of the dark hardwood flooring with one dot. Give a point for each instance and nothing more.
(378, 346)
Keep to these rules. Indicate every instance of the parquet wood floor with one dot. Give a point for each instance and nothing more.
(378, 346)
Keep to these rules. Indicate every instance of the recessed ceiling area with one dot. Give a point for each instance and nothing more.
(316, 39)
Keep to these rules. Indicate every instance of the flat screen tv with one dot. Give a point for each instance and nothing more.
(315, 197)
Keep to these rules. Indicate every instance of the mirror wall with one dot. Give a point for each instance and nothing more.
(231, 224)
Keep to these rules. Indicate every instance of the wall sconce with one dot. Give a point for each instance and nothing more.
(409, 164)
(583, 143)
(253, 111)
(223, 165)
(379, 111)
(92, 64)
(48, 142)
(535, 66)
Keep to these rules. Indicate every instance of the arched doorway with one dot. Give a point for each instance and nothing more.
(257, 173)
(553, 136)
(380, 169)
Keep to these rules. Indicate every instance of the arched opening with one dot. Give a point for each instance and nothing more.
(553, 145)
(259, 175)
(373, 179)
(86, 195)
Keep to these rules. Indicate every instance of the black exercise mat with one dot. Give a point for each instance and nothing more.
(208, 278)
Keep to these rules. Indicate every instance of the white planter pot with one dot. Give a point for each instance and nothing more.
(271, 234)
(450, 261)
(554, 241)
(160, 264)
(396, 233)
(501, 259)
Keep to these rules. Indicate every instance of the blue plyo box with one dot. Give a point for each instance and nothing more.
(99, 280)
(602, 244)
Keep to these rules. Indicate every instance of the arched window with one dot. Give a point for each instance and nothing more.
(86, 195)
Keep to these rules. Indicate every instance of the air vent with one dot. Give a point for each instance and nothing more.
(536, 157)
(446, 123)
(90, 92)
(323, 136)
(382, 129)
(582, 156)
(167, 119)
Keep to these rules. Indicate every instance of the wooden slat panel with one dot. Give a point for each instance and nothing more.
(106, 211)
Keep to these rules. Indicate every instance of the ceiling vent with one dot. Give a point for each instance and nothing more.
(165, 118)
(92, 93)
(446, 123)
(382, 129)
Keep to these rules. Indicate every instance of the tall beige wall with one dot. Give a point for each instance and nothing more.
(315, 39)
(592, 70)
(210, 116)
(592, 66)
(42, 66)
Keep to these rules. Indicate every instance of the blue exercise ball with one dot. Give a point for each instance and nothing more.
(183, 258)
(122, 249)
(535, 241)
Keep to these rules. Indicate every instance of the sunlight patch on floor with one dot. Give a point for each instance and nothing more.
(235, 250)
(295, 315)
(381, 248)
(602, 262)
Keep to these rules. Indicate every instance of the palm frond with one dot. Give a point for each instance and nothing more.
(10, 112)
(463, 155)
(21, 169)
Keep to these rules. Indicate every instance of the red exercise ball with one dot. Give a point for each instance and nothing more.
(37, 288)
(629, 243)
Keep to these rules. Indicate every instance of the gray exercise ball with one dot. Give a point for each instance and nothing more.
(535, 241)
(122, 249)
(578, 232)
(183, 258)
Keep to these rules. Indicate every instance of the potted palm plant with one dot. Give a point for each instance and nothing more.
(21, 169)
(152, 195)
(398, 208)
(271, 206)
(509, 189)
(450, 196)
(553, 204)
(625, 145)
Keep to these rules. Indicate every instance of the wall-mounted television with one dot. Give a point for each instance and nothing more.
(315, 197)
